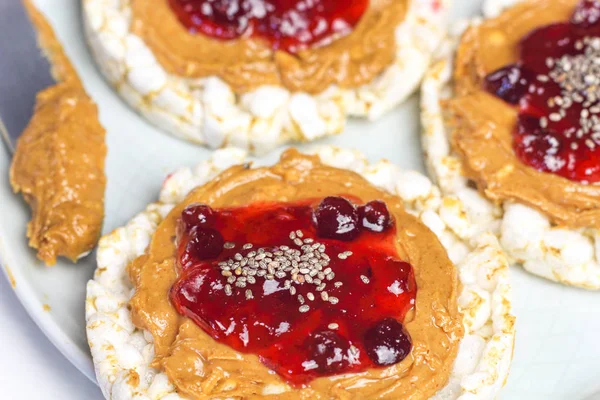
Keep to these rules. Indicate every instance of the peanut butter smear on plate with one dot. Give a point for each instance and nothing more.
(202, 368)
(58, 163)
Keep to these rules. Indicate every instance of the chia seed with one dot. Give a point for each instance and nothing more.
(303, 262)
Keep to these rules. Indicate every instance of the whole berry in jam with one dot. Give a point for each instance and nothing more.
(375, 216)
(197, 214)
(337, 218)
(387, 342)
(328, 350)
(509, 83)
(203, 244)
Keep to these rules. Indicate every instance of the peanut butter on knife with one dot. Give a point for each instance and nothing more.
(58, 163)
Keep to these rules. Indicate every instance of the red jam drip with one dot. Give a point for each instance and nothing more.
(556, 87)
(289, 25)
(307, 306)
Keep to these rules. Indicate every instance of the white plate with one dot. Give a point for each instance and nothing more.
(557, 351)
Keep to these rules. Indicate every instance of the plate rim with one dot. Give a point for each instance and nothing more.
(49, 327)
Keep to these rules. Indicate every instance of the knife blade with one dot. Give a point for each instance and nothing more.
(24, 70)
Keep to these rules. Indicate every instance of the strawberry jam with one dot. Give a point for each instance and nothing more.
(307, 306)
(290, 25)
(556, 87)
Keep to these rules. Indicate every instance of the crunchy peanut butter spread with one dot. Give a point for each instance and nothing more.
(483, 124)
(245, 63)
(59, 161)
(202, 368)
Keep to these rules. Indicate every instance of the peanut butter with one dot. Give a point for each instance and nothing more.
(483, 124)
(248, 63)
(202, 368)
(59, 161)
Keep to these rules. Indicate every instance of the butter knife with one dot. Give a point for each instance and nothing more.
(24, 70)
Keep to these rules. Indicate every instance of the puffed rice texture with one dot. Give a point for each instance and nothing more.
(122, 352)
(208, 112)
(567, 256)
